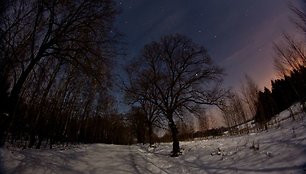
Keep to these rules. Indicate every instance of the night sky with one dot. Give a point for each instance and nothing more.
(238, 34)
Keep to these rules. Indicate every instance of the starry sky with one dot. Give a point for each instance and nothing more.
(238, 34)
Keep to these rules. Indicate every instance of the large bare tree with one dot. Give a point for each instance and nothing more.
(176, 75)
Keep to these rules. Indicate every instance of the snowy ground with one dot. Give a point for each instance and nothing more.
(280, 150)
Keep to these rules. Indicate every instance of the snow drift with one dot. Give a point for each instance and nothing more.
(281, 149)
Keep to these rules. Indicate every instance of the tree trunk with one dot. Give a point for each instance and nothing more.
(291, 113)
(14, 96)
(40, 139)
(150, 134)
(32, 140)
(176, 143)
(3, 126)
(51, 143)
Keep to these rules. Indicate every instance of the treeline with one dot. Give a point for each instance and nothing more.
(251, 103)
(56, 60)
(290, 61)
(284, 93)
(60, 127)
(261, 106)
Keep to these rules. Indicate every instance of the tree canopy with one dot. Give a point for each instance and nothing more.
(176, 75)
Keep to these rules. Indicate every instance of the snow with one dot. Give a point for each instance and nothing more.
(281, 149)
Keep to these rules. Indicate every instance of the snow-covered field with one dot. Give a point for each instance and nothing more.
(279, 150)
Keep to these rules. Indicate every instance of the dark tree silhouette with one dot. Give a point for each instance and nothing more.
(177, 76)
(233, 112)
(4, 81)
(74, 32)
(57, 56)
(250, 90)
(266, 108)
(138, 120)
(150, 112)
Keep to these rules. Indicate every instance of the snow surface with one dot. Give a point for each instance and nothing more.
(281, 149)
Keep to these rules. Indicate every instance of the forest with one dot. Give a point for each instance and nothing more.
(57, 61)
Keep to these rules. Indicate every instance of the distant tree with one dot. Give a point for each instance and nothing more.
(186, 130)
(138, 121)
(233, 112)
(203, 122)
(299, 18)
(266, 108)
(290, 55)
(151, 111)
(289, 61)
(177, 76)
(249, 91)
(153, 118)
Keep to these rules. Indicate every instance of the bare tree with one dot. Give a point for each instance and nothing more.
(57, 56)
(177, 76)
(299, 18)
(203, 122)
(233, 112)
(151, 111)
(77, 32)
(249, 91)
(290, 52)
(138, 120)
(290, 55)
(153, 119)
(186, 129)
